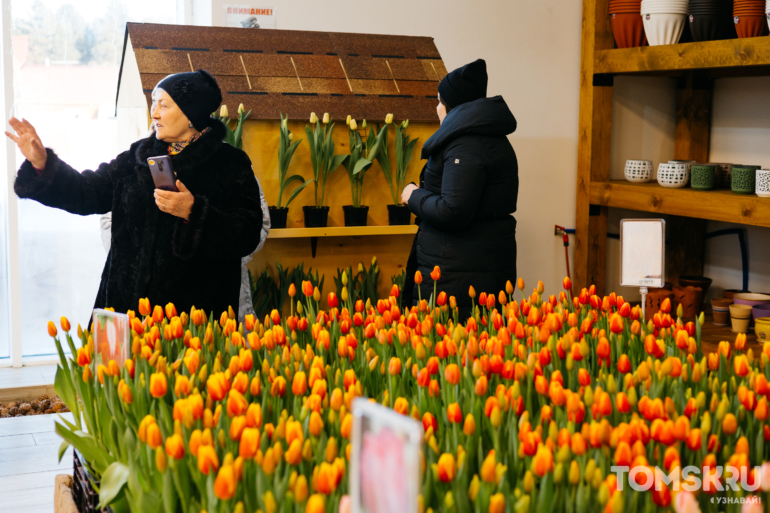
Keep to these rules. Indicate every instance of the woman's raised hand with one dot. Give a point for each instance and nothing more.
(28, 141)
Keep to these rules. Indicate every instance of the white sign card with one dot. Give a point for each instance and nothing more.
(248, 16)
(642, 252)
(384, 460)
(112, 336)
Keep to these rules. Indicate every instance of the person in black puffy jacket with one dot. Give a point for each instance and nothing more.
(467, 194)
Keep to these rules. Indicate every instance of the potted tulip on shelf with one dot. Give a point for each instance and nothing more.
(324, 162)
(286, 149)
(397, 214)
(362, 155)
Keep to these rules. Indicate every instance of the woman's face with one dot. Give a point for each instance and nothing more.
(441, 110)
(171, 125)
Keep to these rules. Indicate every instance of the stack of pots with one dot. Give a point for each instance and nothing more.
(664, 20)
(627, 25)
(711, 20)
(749, 17)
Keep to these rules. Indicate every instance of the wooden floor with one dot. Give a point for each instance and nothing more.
(28, 463)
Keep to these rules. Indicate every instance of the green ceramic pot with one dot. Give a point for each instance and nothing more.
(703, 177)
(743, 180)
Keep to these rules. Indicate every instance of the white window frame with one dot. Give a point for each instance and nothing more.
(184, 16)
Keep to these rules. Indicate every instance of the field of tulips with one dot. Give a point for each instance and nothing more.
(526, 406)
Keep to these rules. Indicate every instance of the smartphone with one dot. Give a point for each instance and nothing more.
(163, 173)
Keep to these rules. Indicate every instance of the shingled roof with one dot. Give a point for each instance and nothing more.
(295, 72)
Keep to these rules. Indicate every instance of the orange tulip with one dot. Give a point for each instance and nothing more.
(567, 283)
(224, 486)
(623, 455)
(325, 480)
(207, 459)
(446, 467)
(217, 386)
(299, 384)
(497, 503)
(394, 366)
(307, 288)
(144, 307)
(65, 324)
(452, 374)
(316, 424)
(158, 384)
(254, 415)
(741, 365)
(454, 414)
(293, 455)
(316, 504)
(543, 461)
(175, 446)
(729, 424)
(488, 470)
(436, 274)
(237, 425)
(52, 329)
(418, 277)
(154, 437)
(84, 356)
(249, 442)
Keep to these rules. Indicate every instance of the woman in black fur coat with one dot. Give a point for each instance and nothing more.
(180, 247)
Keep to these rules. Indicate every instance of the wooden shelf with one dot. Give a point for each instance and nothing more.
(716, 205)
(341, 231)
(732, 57)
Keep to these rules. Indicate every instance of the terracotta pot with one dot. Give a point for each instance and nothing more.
(690, 298)
(750, 26)
(729, 293)
(654, 299)
(628, 29)
(721, 318)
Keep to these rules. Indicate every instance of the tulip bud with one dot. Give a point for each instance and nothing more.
(529, 481)
(353, 125)
(348, 120)
(241, 110)
(326, 118)
(389, 119)
(223, 113)
(363, 124)
(313, 118)
(405, 124)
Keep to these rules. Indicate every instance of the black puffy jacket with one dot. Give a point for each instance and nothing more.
(468, 191)
(154, 254)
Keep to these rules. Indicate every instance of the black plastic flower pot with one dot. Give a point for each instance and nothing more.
(278, 217)
(355, 216)
(316, 217)
(399, 215)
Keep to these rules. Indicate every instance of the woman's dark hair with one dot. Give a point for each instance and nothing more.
(441, 101)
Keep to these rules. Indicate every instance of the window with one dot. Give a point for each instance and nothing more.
(66, 57)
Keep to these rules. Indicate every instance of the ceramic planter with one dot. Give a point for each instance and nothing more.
(743, 179)
(690, 298)
(316, 217)
(628, 29)
(278, 217)
(399, 215)
(653, 301)
(703, 177)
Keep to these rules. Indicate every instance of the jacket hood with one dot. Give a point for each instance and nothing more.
(486, 116)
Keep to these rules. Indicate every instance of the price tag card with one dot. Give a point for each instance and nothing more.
(642, 252)
(112, 336)
(384, 460)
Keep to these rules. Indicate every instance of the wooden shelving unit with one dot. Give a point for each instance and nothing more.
(341, 231)
(696, 66)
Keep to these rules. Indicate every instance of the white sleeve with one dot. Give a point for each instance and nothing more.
(106, 225)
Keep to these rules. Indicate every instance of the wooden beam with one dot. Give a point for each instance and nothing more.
(729, 53)
(593, 148)
(685, 245)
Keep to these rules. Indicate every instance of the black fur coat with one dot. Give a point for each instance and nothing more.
(154, 254)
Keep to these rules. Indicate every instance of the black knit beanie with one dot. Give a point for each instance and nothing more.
(197, 94)
(464, 84)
